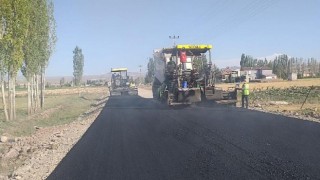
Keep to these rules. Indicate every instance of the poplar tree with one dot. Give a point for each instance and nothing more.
(27, 40)
(14, 15)
(78, 63)
(37, 50)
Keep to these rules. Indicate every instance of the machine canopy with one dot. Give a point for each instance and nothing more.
(189, 48)
(118, 69)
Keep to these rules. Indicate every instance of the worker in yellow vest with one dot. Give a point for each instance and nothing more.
(132, 85)
(245, 94)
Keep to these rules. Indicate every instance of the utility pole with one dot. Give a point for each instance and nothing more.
(174, 37)
(140, 79)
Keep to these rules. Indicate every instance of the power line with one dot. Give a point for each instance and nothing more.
(211, 11)
(255, 11)
(247, 12)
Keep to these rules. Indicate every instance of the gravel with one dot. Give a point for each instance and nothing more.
(41, 152)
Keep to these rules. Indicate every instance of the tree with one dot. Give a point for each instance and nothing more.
(248, 61)
(2, 63)
(242, 61)
(78, 63)
(38, 48)
(50, 43)
(150, 73)
(62, 81)
(265, 62)
(14, 17)
(260, 63)
(3, 69)
(201, 64)
(318, 73)
(131, 80)
(33, 51)
(27, 30)
(282, 65)
(217, 74)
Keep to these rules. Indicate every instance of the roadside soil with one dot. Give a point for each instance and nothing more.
(309, 112)
(145, 92)
(66, 91)
(36, 156)
(278, 84)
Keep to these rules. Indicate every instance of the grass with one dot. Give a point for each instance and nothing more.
(59, 109)
(293, 92)
(63, 90)
(294, 96)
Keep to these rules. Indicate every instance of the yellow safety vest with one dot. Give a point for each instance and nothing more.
(245, 89)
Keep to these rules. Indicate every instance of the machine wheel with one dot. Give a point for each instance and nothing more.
(124, 93)
(155, 89)
(169, 99)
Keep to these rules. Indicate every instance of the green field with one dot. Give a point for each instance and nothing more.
(301, 100)
(59, 109)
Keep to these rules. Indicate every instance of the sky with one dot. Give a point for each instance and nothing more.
(124, 33)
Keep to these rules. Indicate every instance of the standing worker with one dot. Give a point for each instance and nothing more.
(245, 94)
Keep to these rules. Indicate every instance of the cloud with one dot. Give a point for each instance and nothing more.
(271, 57)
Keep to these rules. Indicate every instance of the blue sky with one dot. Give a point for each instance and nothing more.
(123, 33)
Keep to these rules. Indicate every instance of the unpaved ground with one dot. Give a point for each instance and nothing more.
(281, 110)
(40, 153)
(75, 90)
(278, 84)
(285, 110)
(145, 92)
(66, 91)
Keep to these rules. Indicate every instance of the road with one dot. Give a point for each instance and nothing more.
(137, 138)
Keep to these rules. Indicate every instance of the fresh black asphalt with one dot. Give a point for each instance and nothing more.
(137, 138)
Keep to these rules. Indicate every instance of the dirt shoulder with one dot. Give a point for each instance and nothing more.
(36, 156)
(64, 91)
(310, 112)
(145, 92)
(276, 84)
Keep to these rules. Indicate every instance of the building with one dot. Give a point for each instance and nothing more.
(249, 72)
(266, 73)
(230, 75)
(293, 77)
(225, 73)
(306, 73)
(253, 73)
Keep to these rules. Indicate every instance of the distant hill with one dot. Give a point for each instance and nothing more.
(107, 76)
